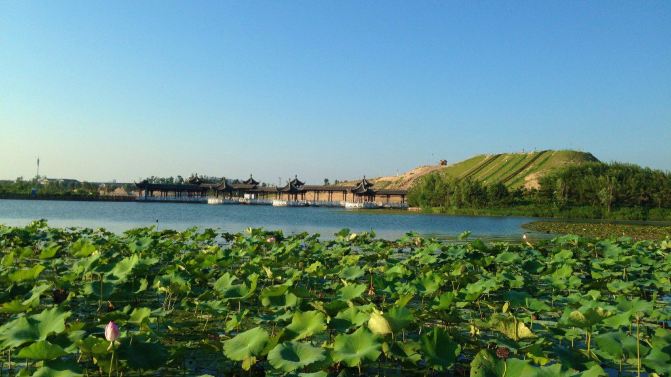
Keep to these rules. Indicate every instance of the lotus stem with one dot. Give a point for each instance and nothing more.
(638, 347)
(589, 342)
(111, 361)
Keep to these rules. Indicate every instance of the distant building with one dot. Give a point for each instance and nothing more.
(61, 181)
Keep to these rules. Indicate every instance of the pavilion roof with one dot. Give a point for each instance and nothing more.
(363, 187)
(366, 183)
(297, 182)
(361, 190)
(250, 181)
(195, 180)
(291, 187)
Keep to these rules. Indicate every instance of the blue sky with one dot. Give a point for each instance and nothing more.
(337, 89)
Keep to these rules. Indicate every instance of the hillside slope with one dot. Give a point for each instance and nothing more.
(513, 169)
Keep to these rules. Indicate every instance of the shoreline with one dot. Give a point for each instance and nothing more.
(109, 198)
(637, 231)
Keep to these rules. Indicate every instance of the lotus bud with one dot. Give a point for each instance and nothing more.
(111, 331)
(270, 240)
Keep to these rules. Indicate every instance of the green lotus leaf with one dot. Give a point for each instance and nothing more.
(399, 318)
(511, 327)
(35, 294)
(357, 347)
(305, 324)
(124, 267)
(508, 257)
(289, 356)
(140, 244)
(49, 251)
(32, 328)
(351, 273)
(615, 345)
(139, 315)
(659, 358)
(428, 283)
(584, 318)
(593, 371)
(224, 285)
(59, 368)
(82, 248)
(407, 351)
(42, 350)
(636, 306)
(94, 289)
(619, 286)
(474, 290)
(352, 291)
(348, 318)
(26, 274)
(142, 353)
(439, 349)
(396, 271)
(484, 364)
(246, 344)
(14, 307)
(445, 301)
(404, 299)
(313, 374)
(278, 296)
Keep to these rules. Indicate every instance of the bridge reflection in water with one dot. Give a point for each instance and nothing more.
(294, 194)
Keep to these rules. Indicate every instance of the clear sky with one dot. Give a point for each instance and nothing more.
(338, 89)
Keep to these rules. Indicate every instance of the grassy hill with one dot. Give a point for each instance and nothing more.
(513, 169)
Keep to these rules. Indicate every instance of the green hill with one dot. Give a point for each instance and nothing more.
(513, 169)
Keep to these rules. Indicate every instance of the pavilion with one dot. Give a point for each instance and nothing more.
(295, 191)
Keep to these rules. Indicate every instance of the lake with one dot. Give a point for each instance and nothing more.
(120, 216)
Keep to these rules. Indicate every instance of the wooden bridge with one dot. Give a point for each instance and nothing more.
(294, 193)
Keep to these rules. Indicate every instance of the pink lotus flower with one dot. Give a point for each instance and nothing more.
(270, 240)
(111, 331)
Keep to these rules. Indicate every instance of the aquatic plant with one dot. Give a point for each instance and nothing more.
(80, 301)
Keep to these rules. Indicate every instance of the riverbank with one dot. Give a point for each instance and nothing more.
(602, 229)
(76, 198)
(574, 213)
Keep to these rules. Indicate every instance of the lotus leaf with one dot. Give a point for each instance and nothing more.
(357, 347)
(246, 344)
(42, 350)
(439, 350)
(352, 291)
(305, 324)
(33, 328)
(290, 356)
(378, 324)
(511, 327)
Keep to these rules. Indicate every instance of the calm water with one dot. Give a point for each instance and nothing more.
(121, 216)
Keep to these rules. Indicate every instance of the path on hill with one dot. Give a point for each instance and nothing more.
(482, 165)
(523, 167)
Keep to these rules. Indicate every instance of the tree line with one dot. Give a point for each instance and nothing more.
(604, 186)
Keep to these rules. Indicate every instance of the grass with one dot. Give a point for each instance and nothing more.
(602, 230)
(574, 213)
(514, 166)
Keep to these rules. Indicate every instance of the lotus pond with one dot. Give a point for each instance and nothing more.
(203, 302)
